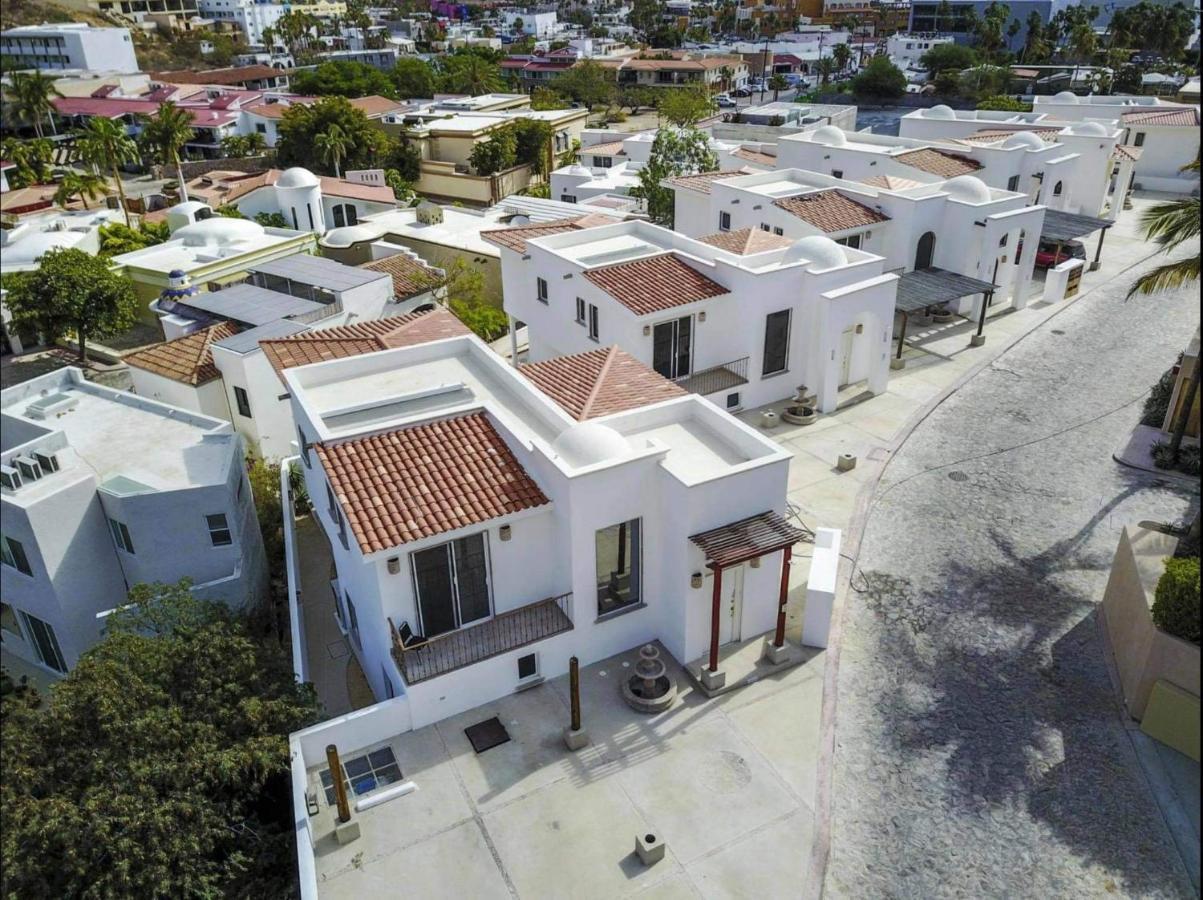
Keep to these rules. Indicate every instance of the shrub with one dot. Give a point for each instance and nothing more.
(1157, 404)
(1176, 601)
(1188, 458)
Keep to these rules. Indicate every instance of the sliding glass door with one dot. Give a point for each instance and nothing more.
(452, 583)
(672, 347)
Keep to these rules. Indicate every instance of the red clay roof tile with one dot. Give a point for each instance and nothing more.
(830, 211)
(655, 283)
(187, 359)
(600, 382)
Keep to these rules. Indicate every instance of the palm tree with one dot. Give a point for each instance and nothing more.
(85, 185)
(254, 143)
(825, 65)
(166, 132)
(31, 95)
(1082, 44)
(841, 54)
(1172, 224)
(332, 146)
(777, 84)
(103, 144)
(473, 76)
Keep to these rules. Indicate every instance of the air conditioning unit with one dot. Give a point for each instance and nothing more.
(48, 461)
(10, 478)
(28, 467)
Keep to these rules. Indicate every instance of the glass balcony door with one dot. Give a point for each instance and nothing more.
(452, 583)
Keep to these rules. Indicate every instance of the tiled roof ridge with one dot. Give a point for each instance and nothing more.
(607, 363)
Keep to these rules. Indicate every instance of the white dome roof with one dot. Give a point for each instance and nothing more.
(25, 252)
(940, 111)
(829, 135)
(188, 207)
(1024, 139)
(968, 188)
(348, 235)
(1066, 97)
(587, 443)
(820, 251)
(1091, 128)
(218, 230)
(297, 177)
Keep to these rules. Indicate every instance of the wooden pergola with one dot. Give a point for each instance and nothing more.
(736, 543)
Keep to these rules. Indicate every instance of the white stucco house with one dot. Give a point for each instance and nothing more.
(1100, 174)
(101, 490)
(1165, 133)
(958, 225)
(487, 523)
(212, 362)
(741, 318)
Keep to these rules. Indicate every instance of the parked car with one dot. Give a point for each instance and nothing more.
(1047, 256)
(741, 92)
(725, 101)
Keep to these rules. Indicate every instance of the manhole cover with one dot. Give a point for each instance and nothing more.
(725, 772)
(1057, 331)
(958, 476)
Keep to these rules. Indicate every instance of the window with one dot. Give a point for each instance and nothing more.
(243, 402)
(1138, 139)
(837, 173)
(342, 529)
(528, 666)
(1013, 183)
(567, 198)
(8, 620)
(219, 530)
(364, 774)
(779, 231)
(733, 401)
(261, 128)
(602, 162)
(295, 225)
(764, 226)
(592, 322)
(776, 342)
(1057, 188)
(853, 241)
(304, 448)
(345, 214)
(452, 584)
(724, 221)
(12, 554)
(353, 621)
(541, 289)
(618, 567)
(309, 212)
(44, 641)
(121, 536)
(672, 346)
(580, 311)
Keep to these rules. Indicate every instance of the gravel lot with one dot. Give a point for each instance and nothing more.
(979, 746)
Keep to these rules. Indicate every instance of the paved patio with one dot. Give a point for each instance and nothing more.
(728, 784)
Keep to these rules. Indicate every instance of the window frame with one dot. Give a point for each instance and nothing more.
(31, 638)
(216, 530)
(594, 325)
(542, 291)
(724, 221)
(242, 402)
(122, 539)
(18, 561)
(789, 323)
(581, 310)
(634, 566)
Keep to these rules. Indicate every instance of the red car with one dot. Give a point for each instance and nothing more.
(1047, 255)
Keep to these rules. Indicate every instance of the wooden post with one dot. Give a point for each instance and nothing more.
(779, 637)
(340, 784)
(902, 334)
(715, 604)
(574, 691)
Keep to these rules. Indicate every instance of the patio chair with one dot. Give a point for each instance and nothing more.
(409, 640)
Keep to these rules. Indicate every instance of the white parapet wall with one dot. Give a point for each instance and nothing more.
(1056, 280)
(820, 587)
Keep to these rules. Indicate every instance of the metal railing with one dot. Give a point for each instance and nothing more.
(504, 632)
(722, 377)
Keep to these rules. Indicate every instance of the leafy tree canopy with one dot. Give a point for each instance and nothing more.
(944, 57)
(880, 79)
(71, 291)
(159, 767)
(413, 77)
(674, 152)
(344, 78)
(686, 106)
(116, 238)
(1004, 104)
(587, 83)
(367, 146)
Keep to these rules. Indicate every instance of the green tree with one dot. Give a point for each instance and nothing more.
(344, 78)
(1172, 224)
(778, 83)
(368, 146)
(684, 107)
(272, 220)
(332, 146)
(104, 145)
(587, 83)
(413, 77)
(879, 80)
(116, 239)
(71, 291)
(1036, 47)
(645, 17)
(543, 98)
(985, 81)
(84, 185)
(1176, 599)
(948, 57)
(1004, 104)
(842, 55)
(498, 153)
(1082, 44)
(32, 158)
(166, 133)
(469, 73)
(159, 767)
(403, 190)
(30, 97)
(463, 287)
(533, 143)
(676, 151)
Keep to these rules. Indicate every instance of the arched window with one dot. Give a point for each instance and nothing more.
(345, 214)
(926, 250)
(1057, 189)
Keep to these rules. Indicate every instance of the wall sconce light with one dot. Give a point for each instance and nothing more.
(702, 317)
(569, 275)
(754, 562)
(505, 532)
(647, 329)
(394, 565)
(695, 580)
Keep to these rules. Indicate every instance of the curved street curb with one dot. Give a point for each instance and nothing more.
(816, 872)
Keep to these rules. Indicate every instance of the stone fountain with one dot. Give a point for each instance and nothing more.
(651, 689)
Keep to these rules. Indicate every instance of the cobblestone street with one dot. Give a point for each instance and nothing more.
(979, 746)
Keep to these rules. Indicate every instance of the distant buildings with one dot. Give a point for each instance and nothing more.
(68, 46)
(102, 490)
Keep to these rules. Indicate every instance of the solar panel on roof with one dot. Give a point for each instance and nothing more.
(317, 270)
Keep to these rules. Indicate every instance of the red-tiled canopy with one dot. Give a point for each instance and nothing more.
(729, 545)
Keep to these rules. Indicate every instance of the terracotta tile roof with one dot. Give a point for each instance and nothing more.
(227, 186)
(653, 284)
(375, 105)
(830, 211)
(746, 240)
(362, 337)
(702, 182)
(600, 382)
(891, 182)
(1188, 116)
(188, 359)
(515, 238)
(410, 276)
(938, 162)
(412, 483)
(1123, 151)
(229, 75)
(613, 148)
(753, 156)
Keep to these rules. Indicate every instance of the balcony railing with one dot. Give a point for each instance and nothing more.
(722, 377)
(466, 646)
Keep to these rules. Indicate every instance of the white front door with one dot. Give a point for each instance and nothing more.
(731, 610)
(846, 340)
